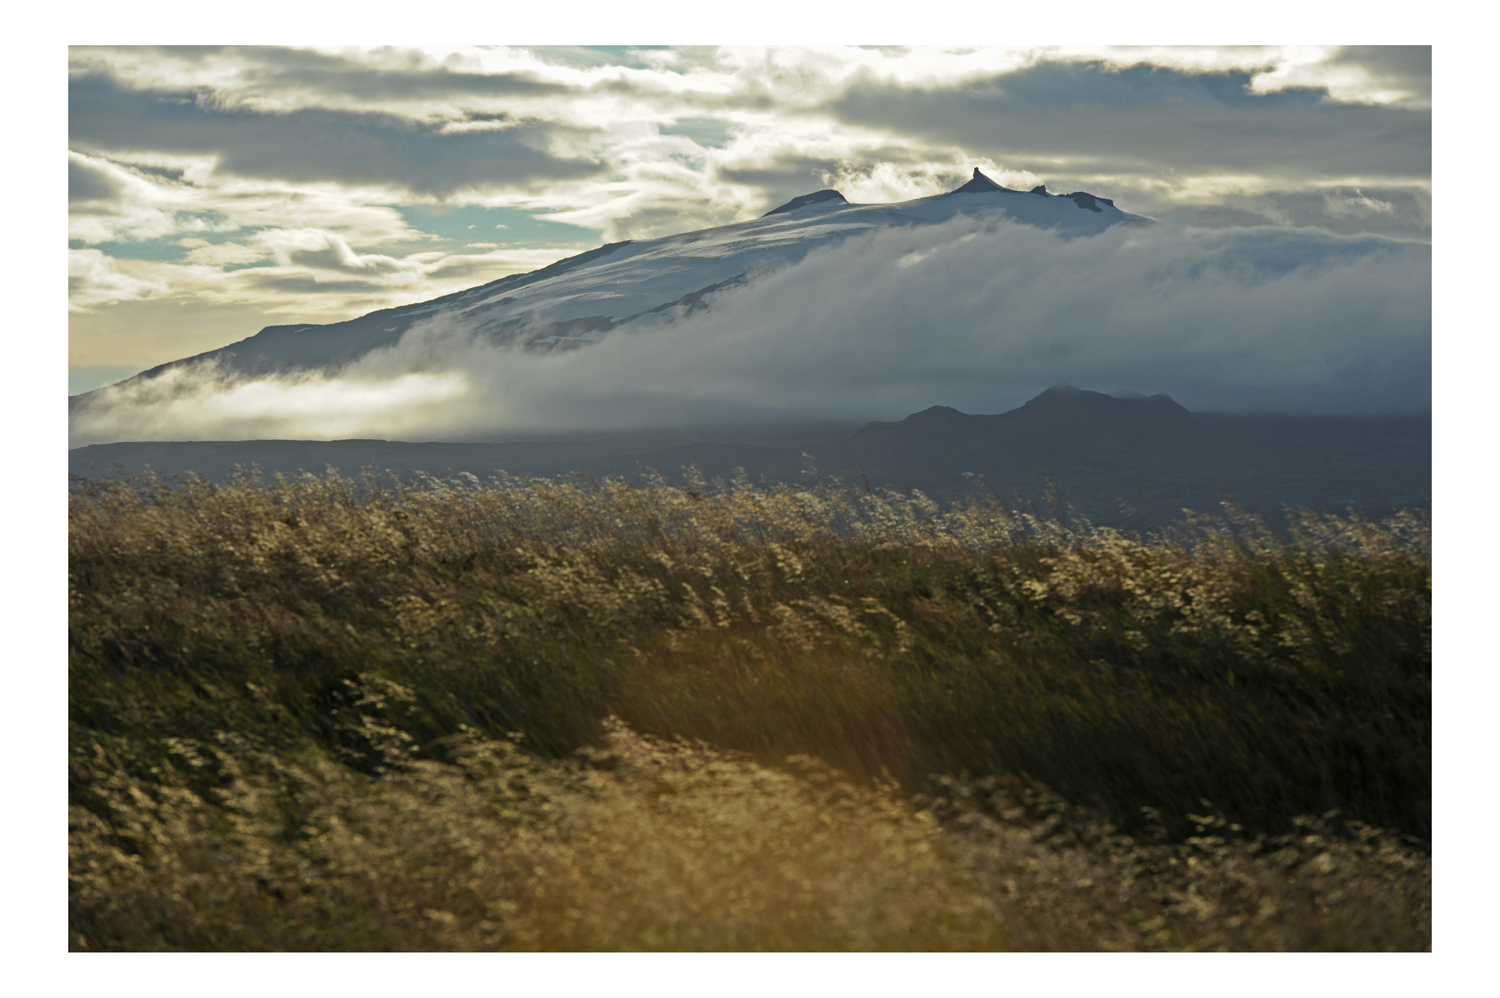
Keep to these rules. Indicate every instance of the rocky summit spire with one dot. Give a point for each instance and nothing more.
(980, 185)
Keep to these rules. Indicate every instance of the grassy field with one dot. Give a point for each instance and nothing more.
(327, 714)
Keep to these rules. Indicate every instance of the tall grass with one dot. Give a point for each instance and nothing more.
(259, 671)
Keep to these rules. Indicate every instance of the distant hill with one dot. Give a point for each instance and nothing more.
(1124, 460)
(1130, 460)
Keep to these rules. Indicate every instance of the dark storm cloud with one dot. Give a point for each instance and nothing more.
(86, 183)
(1095, 116)
(315, 144)
(1392, 211)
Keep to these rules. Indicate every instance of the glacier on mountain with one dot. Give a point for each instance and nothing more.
(634, 284)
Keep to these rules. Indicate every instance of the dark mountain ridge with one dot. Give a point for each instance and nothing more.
(1122, 459)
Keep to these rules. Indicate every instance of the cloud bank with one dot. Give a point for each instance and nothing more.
(979, 316)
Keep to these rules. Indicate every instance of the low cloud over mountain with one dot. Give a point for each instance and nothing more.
(977, 313)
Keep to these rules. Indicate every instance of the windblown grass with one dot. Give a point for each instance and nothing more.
(325, 713)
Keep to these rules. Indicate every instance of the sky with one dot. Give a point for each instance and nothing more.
(216, 190)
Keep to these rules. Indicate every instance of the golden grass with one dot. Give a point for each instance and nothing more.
(327, 714)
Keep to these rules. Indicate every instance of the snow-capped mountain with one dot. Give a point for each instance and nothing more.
(638, 283)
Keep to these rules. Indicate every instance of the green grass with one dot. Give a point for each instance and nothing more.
(229, 644)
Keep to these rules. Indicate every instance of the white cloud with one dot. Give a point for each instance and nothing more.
(93, 279)
(1344, 205)
(184, 196)
(322, 250)
(126, 203)
(282, 407)
(207, 254)
(1347, 78)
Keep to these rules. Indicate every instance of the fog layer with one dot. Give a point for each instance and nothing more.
(978, 316)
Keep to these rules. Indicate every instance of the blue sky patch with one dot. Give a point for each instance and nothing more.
(163, 250)
(460, 225)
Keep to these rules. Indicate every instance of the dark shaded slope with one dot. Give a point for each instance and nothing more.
(775, 455)
(1061, 423)
(1137, 461)
(817, 197)
(1131, 462)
